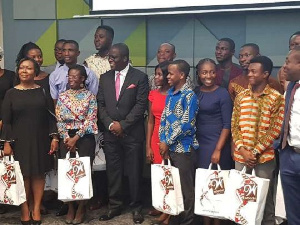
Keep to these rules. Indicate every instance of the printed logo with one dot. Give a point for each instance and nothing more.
(217, 185)
(8, 178)
(76, 172)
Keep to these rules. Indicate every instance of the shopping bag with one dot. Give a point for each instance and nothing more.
(74, 178)
(99, 162)
(166, 189)
(245, 197)
(280, 213)
(12, 191)
(210, 186)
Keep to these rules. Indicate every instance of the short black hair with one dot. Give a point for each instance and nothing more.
(109, 30)
(252, 45)
(123, 48)
(230, 42)
(81, 70)
(297, 33)
(266, 63)
(36, 68)
(25, 49)
(60, 40)
(72, 42)
(164, 69)
(182, 65)
(200, 63)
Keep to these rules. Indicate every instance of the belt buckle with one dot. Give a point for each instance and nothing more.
(297, 150)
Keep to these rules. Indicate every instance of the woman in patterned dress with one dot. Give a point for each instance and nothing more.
(76, 112)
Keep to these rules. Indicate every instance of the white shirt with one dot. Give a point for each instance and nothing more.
(294, 123)
(122, 76)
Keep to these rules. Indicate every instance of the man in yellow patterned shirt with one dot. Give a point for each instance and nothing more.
(256, 122)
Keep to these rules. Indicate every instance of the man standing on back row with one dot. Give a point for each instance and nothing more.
(122, 101)
(226, 69)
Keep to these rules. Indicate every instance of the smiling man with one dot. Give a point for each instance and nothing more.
(226, 69)
(237, 85)
(256, 123)
(58, 79)
(289, 155)
(177, 134)
(122, 101)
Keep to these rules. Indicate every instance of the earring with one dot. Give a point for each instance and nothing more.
(81, 85)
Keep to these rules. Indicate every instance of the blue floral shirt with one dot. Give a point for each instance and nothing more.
(178, 122)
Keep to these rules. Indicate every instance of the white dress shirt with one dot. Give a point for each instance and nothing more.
(294, 123)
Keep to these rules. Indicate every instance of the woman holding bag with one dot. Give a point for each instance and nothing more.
(76, 112)
(28, 131)
(157, 101)
(213, 122)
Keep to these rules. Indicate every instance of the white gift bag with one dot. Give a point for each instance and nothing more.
(245, 197)
(280, 213)
(210, 189)
(166, 189)
(12, 191)
(99, 162)
(74, 178)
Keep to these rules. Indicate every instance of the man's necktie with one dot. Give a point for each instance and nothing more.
(118, 85)
(288, 116)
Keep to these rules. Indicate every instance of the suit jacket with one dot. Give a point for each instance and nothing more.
(278, 143)
(130, 108)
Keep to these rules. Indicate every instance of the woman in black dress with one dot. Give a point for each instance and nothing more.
(30, 133)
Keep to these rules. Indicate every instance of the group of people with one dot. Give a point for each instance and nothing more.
(234, 116)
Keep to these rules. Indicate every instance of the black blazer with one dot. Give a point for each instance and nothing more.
(130, 108)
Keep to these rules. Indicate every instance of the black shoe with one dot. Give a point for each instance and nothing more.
(111, 214)
(36, 222)
(63, 210)
(137, 217)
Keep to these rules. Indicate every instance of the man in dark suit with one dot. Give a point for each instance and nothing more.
(122, 101)
(289, 156)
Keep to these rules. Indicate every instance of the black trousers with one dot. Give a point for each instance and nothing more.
(185, 162)
(124, 156)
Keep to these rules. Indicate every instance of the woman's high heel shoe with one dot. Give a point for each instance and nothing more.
(26, 222)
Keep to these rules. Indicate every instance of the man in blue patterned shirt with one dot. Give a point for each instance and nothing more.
(177, 135)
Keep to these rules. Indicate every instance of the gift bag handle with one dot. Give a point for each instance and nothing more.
(9, 158)
(244, 171)
(168, 164)
(68, 155)
(210, 166)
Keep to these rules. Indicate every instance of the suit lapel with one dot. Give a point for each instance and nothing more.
(112, 84)
(126, 82)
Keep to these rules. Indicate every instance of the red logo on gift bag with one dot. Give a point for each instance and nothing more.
(76, 172)
(167, 184)
(246, 193)
(8, 178)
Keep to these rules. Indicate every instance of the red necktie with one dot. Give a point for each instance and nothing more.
(288, 116)
(117, 84)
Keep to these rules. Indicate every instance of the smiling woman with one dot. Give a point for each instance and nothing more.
(76, 112)
(27, 125)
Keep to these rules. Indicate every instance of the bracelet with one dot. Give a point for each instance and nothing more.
(54, 139)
